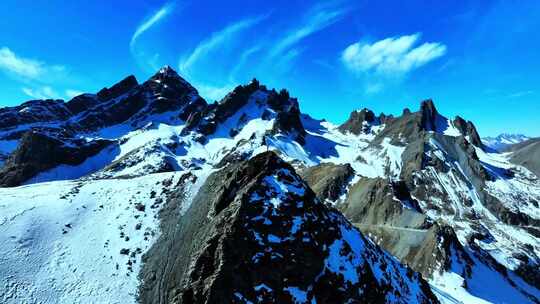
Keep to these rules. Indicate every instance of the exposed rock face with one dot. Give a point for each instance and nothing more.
(81, 103)
(206, 122)
(118, 89)
(359, 122)
(33, 111)
(429, 251)
(387, 212)
(281, 107)
(256, 232)
(164, 98)
(413, 125)
(288, 117)
(467, 128)
(38, 152)
(428, 115)
(328, 181)
(376, 201)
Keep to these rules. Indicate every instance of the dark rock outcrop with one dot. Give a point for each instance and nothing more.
(207, 121)
(467, 128)
(33, 111)
(127, 101)
(428, 115)
(38, 152)
(255, 232)
(122, 87)
(359, 122)
(81, 103)
(288, 116)
(280, 106)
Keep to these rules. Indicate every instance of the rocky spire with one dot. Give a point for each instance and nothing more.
(429, 115)
(467, 128)
(359, 122)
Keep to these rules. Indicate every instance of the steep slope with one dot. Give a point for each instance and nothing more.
(256, 233)
(79, 241)
(526, 154)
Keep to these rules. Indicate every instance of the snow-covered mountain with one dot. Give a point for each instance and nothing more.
(502, 141)
(144, 192)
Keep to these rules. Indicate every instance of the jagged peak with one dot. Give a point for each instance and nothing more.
(429, 115)
(428, 106)
(359, 121)
(467, 128)
(167, 70)
(167, 74)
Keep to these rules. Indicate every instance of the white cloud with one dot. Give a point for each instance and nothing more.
(393, 56)
(373, 88)
(316, 19)
(242, 61)
(23, 67)
(217, 39)
(27, 69)
(521, 94)
(143, 27)
(211, 93)
(44, 92)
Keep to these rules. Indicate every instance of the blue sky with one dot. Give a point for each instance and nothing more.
(478, 59)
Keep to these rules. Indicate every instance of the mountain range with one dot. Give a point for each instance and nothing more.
(503, 141)
(146, 193)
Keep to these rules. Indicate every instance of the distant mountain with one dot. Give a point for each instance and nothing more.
(144, 192)
(527, 154)
(504, 140)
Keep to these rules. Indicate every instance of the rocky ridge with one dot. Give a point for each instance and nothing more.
(256, 233)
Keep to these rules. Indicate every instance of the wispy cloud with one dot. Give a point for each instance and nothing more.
(37, 76)
(156, 17)
(393, 56)
(373, 88)
(521, 94)
(25, 68)
(271, 54)
(211, 93)
(316, 19)
(216, 40)
(242, 60)
(44, 92)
